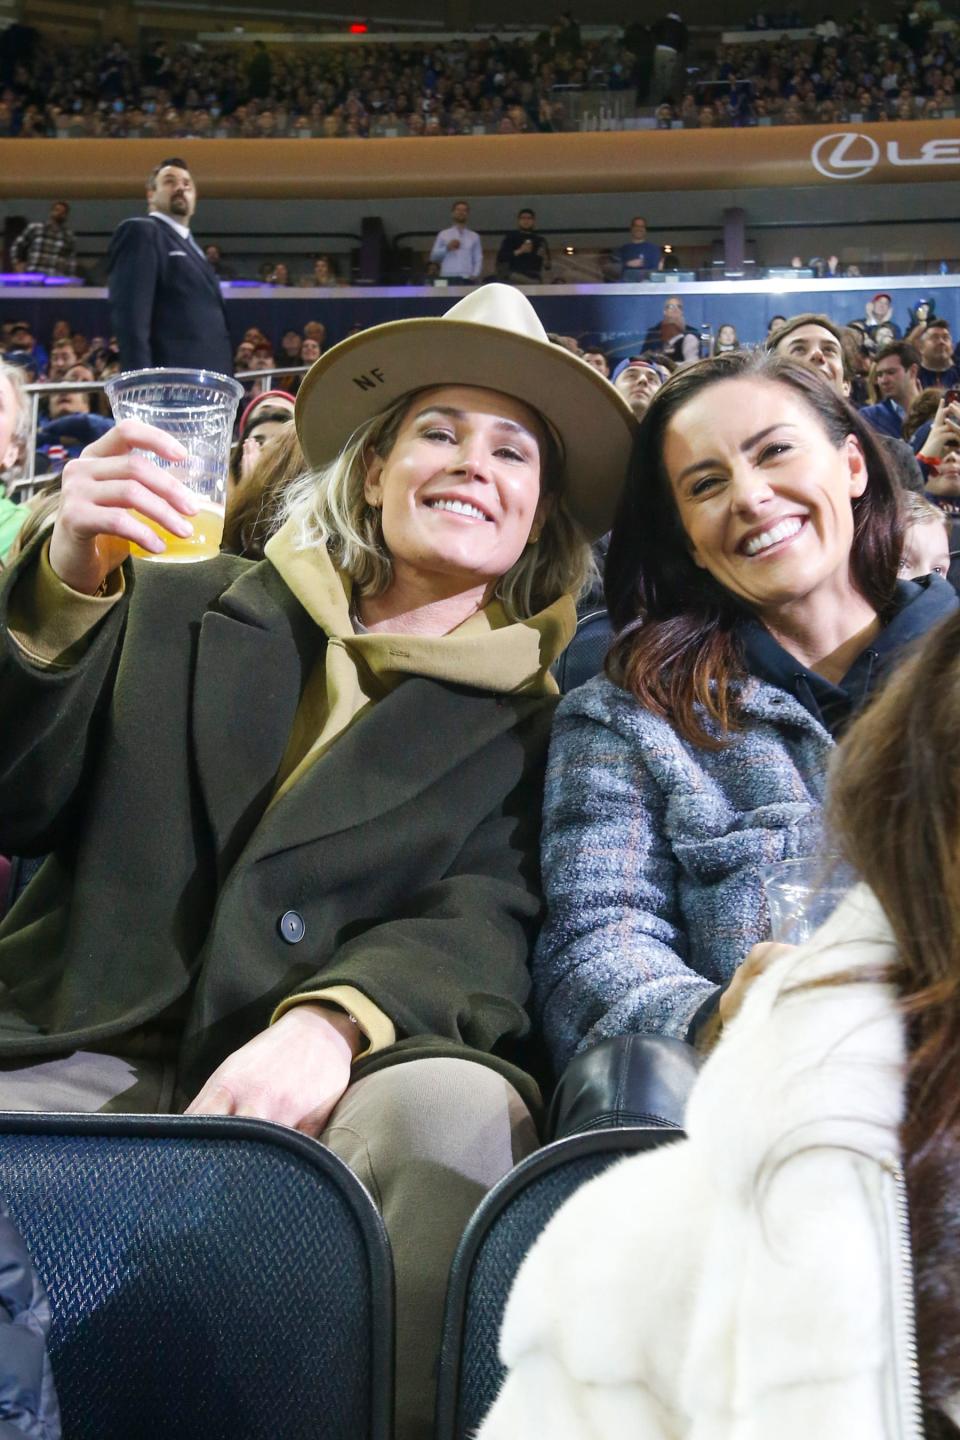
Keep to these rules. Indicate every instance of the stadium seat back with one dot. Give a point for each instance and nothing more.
(494, 1244)
(208, 1279)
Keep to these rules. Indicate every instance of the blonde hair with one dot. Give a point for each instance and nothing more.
(918, 510)
(330, 509)
(42, 511)
(17, 383)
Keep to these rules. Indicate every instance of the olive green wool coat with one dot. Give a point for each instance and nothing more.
(145, 770)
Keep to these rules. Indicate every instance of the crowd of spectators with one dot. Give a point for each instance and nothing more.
(845, 72)
(494, 84)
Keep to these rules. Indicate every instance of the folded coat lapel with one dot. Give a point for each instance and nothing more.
(254, 655)
(198, 260)
(394, 751)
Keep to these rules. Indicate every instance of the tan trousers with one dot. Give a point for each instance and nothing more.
(428, 1138)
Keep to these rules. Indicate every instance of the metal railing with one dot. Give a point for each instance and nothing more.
(30, 481)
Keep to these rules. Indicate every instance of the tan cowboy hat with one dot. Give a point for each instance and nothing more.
(491, 338)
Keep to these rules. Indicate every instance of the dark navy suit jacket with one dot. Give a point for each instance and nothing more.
(165, 301)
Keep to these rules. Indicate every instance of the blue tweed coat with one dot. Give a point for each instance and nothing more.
(652, 849)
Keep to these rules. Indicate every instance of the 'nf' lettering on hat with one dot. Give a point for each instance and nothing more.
(371, 380)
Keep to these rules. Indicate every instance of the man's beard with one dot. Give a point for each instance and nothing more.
(179, 205)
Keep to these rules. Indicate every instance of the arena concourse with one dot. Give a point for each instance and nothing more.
(516, 950)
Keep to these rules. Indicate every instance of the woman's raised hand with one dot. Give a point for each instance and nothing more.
(95, 525)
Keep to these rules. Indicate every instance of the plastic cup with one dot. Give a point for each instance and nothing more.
(801, 895)
(198, 408)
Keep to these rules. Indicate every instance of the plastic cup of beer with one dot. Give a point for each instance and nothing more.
(198, 408)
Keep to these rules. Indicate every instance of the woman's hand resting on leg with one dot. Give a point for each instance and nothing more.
(293, 1073)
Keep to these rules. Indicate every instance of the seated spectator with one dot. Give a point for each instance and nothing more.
(310, 350)
(280, 275)
(524, 253)
(920, 414)
(220, 268)
(937, 365)
(262, 419)
(879, 311)
(63, 357)
(323, 275)
(726, 340)
(924, 311)
(291, 353)
(315, 330)
(243, 356)
(789, 1272)
(263, 357)
(597, 358)
(72, 402)
(926, 539)
(638, 379)
(758, 540)
(775, 322)
(458, 250)
(22, 339)
(291, 344)
(638, 256)
(673, 337)
(816, 341)
(381, 804)
(896, 374)
(23, 361)
(72, 424)
(254, 503)
(938, 454)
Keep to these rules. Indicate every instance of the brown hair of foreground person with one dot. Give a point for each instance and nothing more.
(676, 648)
(895, 810)
(252, 512)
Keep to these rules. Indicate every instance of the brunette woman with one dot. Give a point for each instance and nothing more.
(790, 1268)
(753, 578)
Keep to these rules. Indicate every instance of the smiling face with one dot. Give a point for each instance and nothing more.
(173, 193)
(815, 345)
(460, 213)
(459, 492)
(762, 493)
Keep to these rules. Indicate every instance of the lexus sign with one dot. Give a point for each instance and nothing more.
(849, 154)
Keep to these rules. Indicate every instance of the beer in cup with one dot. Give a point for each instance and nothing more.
(198, 408)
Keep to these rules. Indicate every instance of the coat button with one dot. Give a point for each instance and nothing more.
(291, 927)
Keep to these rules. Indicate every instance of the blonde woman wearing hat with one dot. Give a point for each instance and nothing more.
(293, 806)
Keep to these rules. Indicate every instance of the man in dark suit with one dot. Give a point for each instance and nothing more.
(165, 298)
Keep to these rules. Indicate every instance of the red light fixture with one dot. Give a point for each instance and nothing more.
(358, 28)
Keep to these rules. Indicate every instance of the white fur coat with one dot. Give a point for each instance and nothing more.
(751, 1280)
